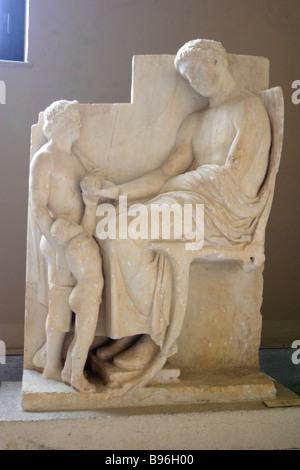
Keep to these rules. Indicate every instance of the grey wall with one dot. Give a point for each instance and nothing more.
(82, 49)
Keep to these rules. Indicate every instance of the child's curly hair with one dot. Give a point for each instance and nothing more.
(59, 114)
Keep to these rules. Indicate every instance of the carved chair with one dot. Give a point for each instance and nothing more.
(249, 257)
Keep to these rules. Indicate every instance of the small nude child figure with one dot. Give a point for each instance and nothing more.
(66, 218)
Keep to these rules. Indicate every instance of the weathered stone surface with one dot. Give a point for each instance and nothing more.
(204, 134)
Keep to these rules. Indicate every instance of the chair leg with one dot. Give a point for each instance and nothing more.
(181, 272)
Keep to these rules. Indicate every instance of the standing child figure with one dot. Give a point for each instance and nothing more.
(67, 219)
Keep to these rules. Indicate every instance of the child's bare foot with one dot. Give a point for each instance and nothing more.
(40, 358)
(66, 374)
(83, 385)
(52, 373)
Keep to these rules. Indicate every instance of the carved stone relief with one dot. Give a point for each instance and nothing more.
(146, 237)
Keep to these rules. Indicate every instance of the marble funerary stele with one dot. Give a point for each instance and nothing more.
(146, 234)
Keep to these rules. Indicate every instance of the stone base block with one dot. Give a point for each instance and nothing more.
(216, 386)
(244, 425)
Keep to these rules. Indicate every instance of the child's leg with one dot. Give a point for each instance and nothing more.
(66, 374)
(85, 326)
(49, 357)
(84, 260)
(55, 340)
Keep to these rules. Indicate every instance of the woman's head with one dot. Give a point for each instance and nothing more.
(205, 49)
(204, 64)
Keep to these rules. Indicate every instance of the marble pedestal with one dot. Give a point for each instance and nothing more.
(222, 426)
(223, 386)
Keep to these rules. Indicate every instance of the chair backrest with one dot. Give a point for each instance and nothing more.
(274, 104)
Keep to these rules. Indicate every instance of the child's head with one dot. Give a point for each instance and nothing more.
(61, 115)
